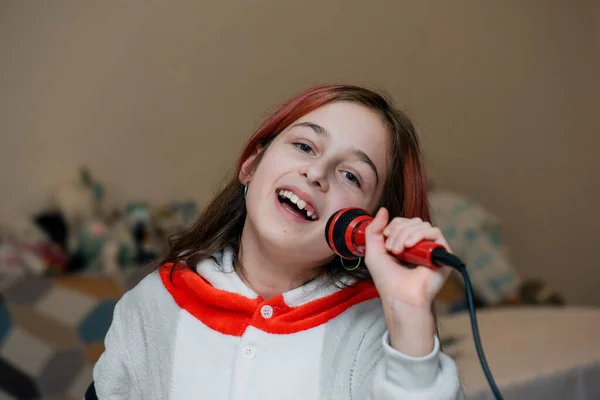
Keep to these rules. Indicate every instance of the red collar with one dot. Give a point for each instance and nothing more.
(231, 313)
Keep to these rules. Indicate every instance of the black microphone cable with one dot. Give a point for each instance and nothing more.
(442, 257)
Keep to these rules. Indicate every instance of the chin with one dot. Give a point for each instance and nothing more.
(279, 237)
(283, 241)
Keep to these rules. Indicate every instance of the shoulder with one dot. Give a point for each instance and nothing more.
(147, 303)
(140, 341)
(145, 291)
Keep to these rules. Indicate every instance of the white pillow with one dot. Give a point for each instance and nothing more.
(474, 235)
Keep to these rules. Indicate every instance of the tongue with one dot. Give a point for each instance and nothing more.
(292, 208)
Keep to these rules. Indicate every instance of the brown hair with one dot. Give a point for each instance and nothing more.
(221, 223)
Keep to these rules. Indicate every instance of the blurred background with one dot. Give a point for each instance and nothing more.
(119, 120)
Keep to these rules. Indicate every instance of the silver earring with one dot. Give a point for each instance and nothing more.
(245, 191)
(352, 268)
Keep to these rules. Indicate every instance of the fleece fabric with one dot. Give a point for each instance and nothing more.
(203, 334)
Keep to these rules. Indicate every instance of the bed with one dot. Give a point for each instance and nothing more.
(548, 353)
(52, 328)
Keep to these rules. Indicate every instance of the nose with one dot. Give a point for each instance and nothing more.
(316, 175)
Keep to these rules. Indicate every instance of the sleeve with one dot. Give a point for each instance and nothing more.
(383, 373)
(114, 375)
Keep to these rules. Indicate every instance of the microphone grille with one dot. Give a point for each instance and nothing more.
(335, 230)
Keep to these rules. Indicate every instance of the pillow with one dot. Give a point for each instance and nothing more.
(474, 235)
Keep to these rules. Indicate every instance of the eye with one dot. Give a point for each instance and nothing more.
(304, 147)
(351, 177)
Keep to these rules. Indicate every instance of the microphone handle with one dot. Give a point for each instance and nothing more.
(420, 254)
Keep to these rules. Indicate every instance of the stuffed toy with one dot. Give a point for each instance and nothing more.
(173, 218)
(139, 221)
(81, 205)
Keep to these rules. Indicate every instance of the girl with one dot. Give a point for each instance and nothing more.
(251, 303)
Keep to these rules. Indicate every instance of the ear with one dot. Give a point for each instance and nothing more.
(246, 171)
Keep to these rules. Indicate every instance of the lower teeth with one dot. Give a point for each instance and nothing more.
(292, 207)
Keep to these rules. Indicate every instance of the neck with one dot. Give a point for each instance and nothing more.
(270, 273)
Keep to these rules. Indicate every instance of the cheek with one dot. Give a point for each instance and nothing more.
(264, 172)
(344, 200)
(271, 165)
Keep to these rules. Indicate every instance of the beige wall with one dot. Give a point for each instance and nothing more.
(157, 98)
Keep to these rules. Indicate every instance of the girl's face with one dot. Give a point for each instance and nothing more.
(331, 158)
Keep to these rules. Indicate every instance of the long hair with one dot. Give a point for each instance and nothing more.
(220, 224)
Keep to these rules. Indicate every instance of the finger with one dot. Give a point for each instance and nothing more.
(379, 223)
(373, 234)
(398, 222)
(396, 242)
(431, 233)
(396, 229)
(413, 235)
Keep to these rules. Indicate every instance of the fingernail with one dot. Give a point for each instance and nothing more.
(398, 246)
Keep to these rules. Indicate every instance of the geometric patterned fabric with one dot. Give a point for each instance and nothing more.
(52, 331)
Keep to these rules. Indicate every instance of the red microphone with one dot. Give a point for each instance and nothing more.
(345, 235)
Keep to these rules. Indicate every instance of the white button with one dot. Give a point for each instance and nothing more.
(266, 312)
(249, 351)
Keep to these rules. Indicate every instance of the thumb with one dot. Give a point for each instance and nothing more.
(379, 223)
(374, 232)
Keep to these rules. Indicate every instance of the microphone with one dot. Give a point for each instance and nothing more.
(345, 235)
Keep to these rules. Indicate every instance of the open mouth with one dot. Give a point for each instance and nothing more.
(294, 204)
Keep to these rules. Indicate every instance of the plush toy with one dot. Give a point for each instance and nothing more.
(79, 231)
(91, 238)
(81, 203)
(174, 217)
(34, 247)
(11, 263)
(140, 225)
(120, 248)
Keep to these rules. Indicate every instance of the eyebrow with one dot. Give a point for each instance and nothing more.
(361, 155)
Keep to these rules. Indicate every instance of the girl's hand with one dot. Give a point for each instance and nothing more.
(407, 294)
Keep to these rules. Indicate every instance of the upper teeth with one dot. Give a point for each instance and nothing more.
(296, 200)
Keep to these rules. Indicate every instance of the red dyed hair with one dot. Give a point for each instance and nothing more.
(415, 203)
(404, 194)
